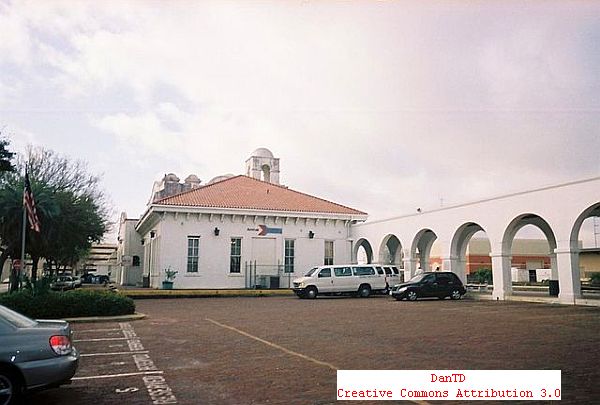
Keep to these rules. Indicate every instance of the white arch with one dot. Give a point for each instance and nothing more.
(390, 246)
(365, 245)
(423, 241)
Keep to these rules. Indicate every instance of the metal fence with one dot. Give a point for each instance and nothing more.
(265, 276)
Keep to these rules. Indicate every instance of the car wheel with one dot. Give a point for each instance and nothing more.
(411, 295)
(455, 294)
(10, 387)
(311, 292)
(364, 291)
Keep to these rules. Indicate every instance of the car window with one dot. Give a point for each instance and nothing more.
(364, 271)
(15, 318)
(325, 273)
(379, 270)
(429, 278)
(454, 278)
(388, 271)
(443, 279)
(342, 271)
(395, 270)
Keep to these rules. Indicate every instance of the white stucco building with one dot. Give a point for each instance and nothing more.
(238, 231)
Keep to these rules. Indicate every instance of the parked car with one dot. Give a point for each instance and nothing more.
(90, 278)
(34, 354)
(430, 284)
(65, 283)
(360, 280)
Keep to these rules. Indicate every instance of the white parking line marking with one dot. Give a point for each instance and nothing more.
(98, 339)
(288, 351)
(93, 377)
(111, 353)
(115, 345)
(276, 346)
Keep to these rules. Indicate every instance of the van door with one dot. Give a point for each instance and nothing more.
(343, 280)
(324, 281)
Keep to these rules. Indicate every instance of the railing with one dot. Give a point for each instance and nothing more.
(259, 276)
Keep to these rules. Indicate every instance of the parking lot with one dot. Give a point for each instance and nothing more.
(282, 350)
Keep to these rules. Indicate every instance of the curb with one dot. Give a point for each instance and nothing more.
(159, 294)
(96, 319)
(538, 300)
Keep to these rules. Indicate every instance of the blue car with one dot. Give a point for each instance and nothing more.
(34, 354)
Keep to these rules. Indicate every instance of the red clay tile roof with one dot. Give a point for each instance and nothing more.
(243, 192)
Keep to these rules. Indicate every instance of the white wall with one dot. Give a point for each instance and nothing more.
(173, 230)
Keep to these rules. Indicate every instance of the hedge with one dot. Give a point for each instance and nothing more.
(68, 304)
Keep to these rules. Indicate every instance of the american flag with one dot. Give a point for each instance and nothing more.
(29, 203)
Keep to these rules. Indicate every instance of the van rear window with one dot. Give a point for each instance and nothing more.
(364, 271)
(395, 270)
(379, 270)
(388, 271)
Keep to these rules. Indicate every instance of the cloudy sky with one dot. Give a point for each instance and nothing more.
(382, 106)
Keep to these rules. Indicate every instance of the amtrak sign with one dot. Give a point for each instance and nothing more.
(265, 230)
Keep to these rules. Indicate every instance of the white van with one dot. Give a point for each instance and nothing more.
(361, 280)
(391, 273)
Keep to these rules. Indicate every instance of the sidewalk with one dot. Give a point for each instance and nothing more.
(540, 297)
(141, 293)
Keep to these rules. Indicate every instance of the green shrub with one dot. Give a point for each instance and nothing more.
(481, 276)
(595, 278)
(68, 304)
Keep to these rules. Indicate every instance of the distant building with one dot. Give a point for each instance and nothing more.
(130, 253)
(527, 254)
(101, 260)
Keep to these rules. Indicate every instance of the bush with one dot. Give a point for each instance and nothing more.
(595, 278)
(481, 276)
(68, 304)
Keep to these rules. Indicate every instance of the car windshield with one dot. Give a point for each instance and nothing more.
(310, 272)
(417, 278)
(15, 318)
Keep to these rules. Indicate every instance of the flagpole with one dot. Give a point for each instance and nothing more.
(24, 231)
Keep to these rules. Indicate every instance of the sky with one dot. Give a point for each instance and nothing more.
(381, 106)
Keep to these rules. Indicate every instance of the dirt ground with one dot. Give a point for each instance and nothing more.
(207, 350)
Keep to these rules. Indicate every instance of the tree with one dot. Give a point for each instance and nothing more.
(6, 157)
(6, 165)
(72, 209)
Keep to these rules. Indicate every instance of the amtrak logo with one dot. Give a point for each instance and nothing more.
(265, 230)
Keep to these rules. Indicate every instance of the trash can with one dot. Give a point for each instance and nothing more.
(553, 288)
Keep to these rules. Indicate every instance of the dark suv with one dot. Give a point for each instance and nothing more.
(439, 284)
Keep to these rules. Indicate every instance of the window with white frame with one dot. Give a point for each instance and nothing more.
(235, 257)
(289, 256)
(328, 253)
(193, 253)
